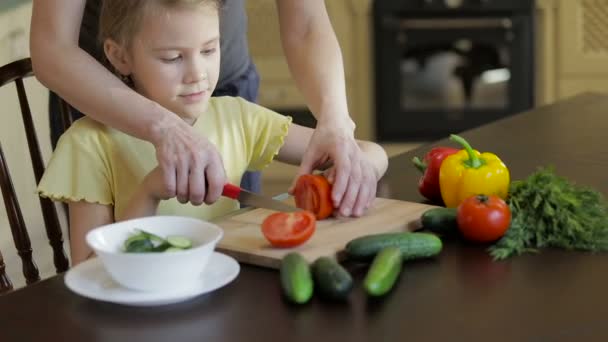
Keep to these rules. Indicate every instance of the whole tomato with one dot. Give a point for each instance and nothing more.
(483, 218)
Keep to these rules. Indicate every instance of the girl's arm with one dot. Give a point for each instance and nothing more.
(145, 200)
(62, 66)
(85, 216)
(373, 166)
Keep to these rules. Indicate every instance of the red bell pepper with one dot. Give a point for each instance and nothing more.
(428, 185)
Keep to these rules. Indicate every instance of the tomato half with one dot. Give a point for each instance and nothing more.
(313, 193)
(289, 229)
(483, 218)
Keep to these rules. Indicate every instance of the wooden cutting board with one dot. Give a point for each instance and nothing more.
(244, 241)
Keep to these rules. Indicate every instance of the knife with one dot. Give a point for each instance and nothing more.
(255, 200)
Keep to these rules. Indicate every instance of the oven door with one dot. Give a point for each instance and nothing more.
(436, 76)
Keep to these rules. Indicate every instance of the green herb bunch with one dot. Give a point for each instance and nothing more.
(549, 211)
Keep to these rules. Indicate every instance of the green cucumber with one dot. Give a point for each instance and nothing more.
(332, 280)
(173, 249)
(151, 236)
(296, 279)
(160, 248)
(143, 242)
(383, 272)
(139, 246)
(133, 238)
(179, 242)
(412, 245)
(440, 220)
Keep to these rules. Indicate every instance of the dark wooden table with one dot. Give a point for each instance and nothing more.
(459, 296)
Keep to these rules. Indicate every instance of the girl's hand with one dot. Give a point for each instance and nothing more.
(353, 177)
(153, 186)
(191, 167)
(362, 199)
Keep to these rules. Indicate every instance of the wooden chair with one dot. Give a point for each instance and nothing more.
(16, 72)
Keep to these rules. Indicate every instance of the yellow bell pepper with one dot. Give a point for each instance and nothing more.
(468, 172)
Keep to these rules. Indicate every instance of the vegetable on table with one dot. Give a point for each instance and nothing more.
(331, 279)
(412, 245)
(313, 193)
(440, 221)
(289, 229)
(483, 218)
(296, 278)
(549, 211)
(383, 272)
(428, 184)
(468, 172)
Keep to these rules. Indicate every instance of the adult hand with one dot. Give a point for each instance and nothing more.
(352, 175)
(192, 168)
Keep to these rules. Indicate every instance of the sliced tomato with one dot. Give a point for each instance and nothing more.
(313, 193)
(289, 229)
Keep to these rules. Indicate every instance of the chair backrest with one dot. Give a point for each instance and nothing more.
(15, 72)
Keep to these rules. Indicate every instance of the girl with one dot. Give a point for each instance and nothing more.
(168, 51)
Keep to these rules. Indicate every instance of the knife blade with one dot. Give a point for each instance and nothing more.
(255, 200)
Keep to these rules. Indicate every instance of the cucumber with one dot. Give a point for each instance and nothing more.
(296, 279)
(383, 272)
(143, 241)
(332, 280)
(161, 248)
(133, 238)
(440, 220)
(179, 242)
(139, 246)
(173, 249)
(412, 245)
(151, 236)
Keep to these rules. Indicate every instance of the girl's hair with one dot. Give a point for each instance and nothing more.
(119, 20)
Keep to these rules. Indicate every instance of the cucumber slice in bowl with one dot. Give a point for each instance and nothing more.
(179, 242)
(150, 236)
(143, 242)
(174, 249)
(139, 246)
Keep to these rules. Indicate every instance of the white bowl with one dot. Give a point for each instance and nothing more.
(155, 271)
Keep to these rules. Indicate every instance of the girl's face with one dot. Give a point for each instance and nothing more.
(175, 59)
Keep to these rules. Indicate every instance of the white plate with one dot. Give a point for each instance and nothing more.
(90, 279)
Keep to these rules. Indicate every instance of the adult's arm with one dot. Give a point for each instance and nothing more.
(315, 60)
(62, 66)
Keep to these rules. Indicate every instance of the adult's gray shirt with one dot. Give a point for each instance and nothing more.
(233, 37)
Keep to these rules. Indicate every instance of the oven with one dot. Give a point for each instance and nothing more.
(443, 66)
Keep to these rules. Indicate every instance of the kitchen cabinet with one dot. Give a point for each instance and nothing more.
(351, 20)
(572, 48)
(571, 54)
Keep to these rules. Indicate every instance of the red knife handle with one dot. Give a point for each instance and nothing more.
(231, 190)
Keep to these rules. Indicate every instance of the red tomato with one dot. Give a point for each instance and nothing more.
(313, 193)
(483, 218)
(289, 229)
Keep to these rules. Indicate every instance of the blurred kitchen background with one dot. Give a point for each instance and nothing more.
(416, 70)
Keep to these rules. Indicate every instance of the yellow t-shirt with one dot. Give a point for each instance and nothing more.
(98, 164)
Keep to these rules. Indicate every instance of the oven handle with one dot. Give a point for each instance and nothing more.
(446, 24)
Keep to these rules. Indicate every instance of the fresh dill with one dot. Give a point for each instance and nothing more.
(549, 211)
